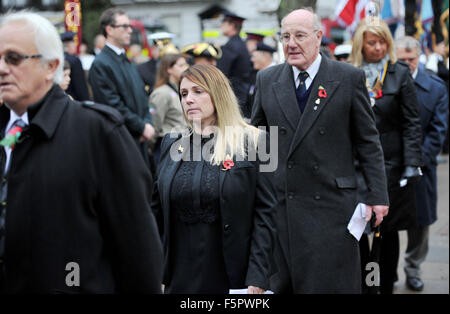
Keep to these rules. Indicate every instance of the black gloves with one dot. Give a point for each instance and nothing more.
(411, 174)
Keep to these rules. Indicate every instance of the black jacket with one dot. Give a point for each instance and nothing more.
(235, 64)
(116, 82)
(247, 200)
(78, 191)
(398, 122)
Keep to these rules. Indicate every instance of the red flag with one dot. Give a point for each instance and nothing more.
(72, 20)
(350, 12)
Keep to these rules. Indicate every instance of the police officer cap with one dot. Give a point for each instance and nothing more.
(343, 51)
(231, 17)
(255, 36)
(67, 36)
(263, 47)
(203, 50)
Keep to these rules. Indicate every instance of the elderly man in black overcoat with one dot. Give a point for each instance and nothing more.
(75, 192)
(116, 82)
(322, 111)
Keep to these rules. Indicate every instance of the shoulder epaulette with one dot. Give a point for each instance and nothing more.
(107, 111)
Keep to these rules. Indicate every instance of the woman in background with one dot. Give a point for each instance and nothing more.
(394, 102)
(164, 101)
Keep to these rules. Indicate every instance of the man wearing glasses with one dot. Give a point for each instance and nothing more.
(74, 191)
(323, 114)
(116, 82)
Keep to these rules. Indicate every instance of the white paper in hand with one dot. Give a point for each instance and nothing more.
(358, 222)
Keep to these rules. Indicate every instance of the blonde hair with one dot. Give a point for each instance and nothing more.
(234, 134)
(376, 26)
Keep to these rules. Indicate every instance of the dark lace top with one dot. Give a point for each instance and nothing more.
(195, 189)
(196, 260)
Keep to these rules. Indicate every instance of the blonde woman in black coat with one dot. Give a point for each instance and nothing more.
(394, 102)
(213, 201)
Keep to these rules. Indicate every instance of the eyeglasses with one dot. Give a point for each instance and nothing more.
(124, 26)
(13, 58)
(300, 37)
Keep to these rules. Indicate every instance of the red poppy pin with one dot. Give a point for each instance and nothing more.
(12, 137)
(227, 164)
(379, 94)
(322, 92)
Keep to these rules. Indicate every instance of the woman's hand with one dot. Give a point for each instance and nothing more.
(255, 290)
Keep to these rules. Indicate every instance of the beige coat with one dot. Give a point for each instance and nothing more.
(168, 114)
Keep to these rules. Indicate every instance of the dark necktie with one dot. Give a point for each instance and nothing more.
(124, 57)
(301, 89)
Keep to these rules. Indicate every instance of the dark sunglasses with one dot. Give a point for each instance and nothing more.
(13, 58)
(125, 26)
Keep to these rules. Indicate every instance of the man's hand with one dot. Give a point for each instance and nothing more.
(379, 210)
(255, 290)
(149, 132)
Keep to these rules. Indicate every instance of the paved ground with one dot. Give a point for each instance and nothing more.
(435, 269)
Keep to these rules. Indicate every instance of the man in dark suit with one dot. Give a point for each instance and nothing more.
(322, 110)
(116, 82)
(75, 212)
(433, 109)
(235, 61)
(78, 87)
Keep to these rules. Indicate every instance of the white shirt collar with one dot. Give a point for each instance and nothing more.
(13, 117)
(312, 71)
(116, 49)
(414, 74)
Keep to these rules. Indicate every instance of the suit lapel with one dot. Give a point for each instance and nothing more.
(285, 94)
(422, 81)
(313, 110)
(170, 171)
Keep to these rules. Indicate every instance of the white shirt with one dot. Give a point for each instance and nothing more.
(12, 118)
(312, 72)
(414, 75)
(117, 50)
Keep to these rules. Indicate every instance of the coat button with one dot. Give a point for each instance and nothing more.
(316, 167)
(317, 197)
(322, 131)
(283, 131)
(226, 227)
(291, 196)
(290, 165)
(3, 203)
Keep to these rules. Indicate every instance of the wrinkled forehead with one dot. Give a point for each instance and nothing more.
(17, 36)
(298, 22)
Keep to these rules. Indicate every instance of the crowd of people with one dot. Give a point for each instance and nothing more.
(149, 174)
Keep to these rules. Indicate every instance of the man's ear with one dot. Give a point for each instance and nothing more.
(51, 69)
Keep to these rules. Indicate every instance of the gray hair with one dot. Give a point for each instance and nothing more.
(317, 19)
(408, 43)
(46, 38)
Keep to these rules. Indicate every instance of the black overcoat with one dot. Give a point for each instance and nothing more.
(78, 191)
(247, 200)
(316, 179)
(116, 82)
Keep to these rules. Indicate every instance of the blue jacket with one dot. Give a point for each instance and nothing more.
(433, 109)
